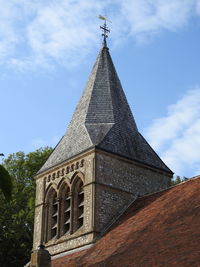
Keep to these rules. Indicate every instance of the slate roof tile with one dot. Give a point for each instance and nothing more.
(103, 118)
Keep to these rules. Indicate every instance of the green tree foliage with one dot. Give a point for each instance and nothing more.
(5, 183)
(16, 216)
(178, 180)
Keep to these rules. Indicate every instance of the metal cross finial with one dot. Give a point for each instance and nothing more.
(104, 29)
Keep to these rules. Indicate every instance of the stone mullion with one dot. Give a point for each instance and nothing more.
(60, 203)
(54, 218)
(72, 213)
(80, 206)
(46, 221)
(50, 219)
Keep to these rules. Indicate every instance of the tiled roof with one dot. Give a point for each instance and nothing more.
(104, 119)
(162, 229)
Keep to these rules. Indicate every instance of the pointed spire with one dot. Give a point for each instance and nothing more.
(103, 119)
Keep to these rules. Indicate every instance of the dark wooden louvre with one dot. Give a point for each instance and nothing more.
(54, 219)
(78, 204)
(51, 215)
(65, 210)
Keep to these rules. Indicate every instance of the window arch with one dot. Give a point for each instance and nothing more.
(78, 203)
(51, 214)
(65, 209)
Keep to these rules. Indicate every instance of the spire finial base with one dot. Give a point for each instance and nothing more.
(104, 43)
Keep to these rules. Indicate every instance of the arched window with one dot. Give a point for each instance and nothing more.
(78, 203)
(65, 209)
(51, 215)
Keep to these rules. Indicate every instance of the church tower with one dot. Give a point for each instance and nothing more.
(97, 170)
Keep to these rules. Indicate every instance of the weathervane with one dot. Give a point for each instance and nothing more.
(104, 29)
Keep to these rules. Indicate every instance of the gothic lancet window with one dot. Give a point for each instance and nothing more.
(51, 215)
(65, 209)
(78, 203)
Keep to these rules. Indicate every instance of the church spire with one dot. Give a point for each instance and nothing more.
(103, 119)
(97, 170)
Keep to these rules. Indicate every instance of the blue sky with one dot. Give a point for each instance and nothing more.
(47, 50)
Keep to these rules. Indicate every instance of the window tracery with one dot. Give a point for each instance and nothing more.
(64, 209)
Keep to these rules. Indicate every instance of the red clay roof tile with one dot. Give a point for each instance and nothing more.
(162, 229)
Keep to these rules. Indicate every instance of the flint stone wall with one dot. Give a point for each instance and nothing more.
(118, 183)
(111, 184)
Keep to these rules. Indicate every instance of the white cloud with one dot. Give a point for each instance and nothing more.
(38, 33)
(154, 15)
(64, 31)
(8, 37)
(44, 33)
(176, 136)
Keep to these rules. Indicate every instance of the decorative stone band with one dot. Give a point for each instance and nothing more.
(65, 170)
